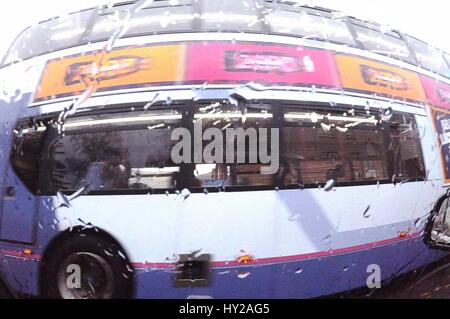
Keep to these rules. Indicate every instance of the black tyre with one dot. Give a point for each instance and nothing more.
(87, 267)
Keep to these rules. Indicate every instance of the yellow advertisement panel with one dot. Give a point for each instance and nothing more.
(374, 77)
(120, 69)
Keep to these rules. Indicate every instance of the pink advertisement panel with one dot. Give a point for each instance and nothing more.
(438, 93)
(270, 64)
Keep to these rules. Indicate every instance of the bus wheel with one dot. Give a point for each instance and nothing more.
(87, 267)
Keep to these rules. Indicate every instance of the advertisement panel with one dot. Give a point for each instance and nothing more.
(438, 93)
(267, 64)
(374, 77)
(121, 69)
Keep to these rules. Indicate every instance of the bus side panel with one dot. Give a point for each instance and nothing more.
(275, 228)
(18, 204)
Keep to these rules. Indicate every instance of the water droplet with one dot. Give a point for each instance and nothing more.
(185, 193)
(161, 125)
(314, 118)
(256, 86)
(122, 255)
(387, 114)
(165, 19)
(329, 185)
(243, 275)
(210, 108)
(63, 200)
(152, 102)
(365, 214)
(325, 127)
(108, 253)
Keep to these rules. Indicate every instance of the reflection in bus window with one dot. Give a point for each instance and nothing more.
(245, 166)
(150, 20)
(238, 16)
(405, 146)
(96, 25)
(115, 154)
(53, 35)
(318, 147)
(309, 26)
(387, 43)
(429, 57)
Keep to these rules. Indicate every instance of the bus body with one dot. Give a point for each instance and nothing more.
(362, 153)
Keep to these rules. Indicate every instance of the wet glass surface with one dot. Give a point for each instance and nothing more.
(326, 144)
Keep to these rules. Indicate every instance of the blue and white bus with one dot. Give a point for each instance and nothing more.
(89, 188)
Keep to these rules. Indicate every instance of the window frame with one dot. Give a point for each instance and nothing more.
(372, 27)
(408, 38)
(24, 124)
(311, 12)
(279, 108)
(391, 169)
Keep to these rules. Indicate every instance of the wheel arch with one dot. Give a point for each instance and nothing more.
(68, 235)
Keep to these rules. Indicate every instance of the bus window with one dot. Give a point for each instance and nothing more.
(96, 25)
(114, 153)
(241, 16)
(235, 162)
(318, 147)
(308, 25)
(429, 57)
(53, 35)
(156, 18)
(386, 43)
(27, 146)
(406, 149)
(447, 60)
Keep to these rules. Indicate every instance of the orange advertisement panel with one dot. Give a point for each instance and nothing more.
(120, 69)
(374, 77)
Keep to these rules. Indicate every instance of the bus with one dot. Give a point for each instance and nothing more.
(350, 122)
